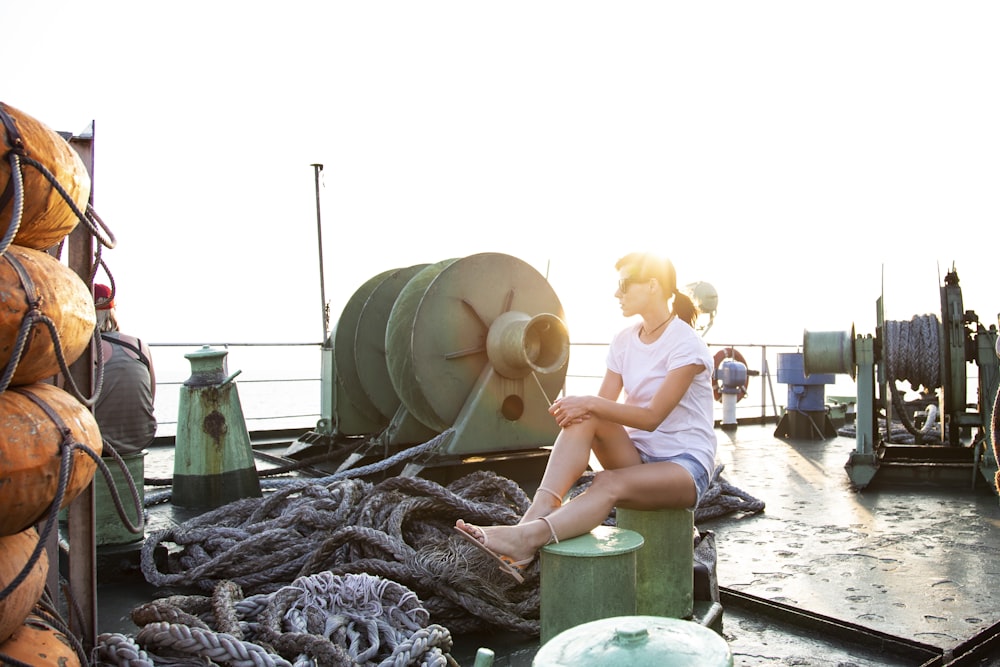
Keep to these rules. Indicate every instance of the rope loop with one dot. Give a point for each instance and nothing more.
(17, 212)
(89, 219)
(912, 351)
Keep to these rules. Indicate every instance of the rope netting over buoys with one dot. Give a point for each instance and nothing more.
(50, 446)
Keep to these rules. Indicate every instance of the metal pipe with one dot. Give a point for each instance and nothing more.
(81, 517)
(317, 168)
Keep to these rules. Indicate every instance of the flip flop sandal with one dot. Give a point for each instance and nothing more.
(505, 563)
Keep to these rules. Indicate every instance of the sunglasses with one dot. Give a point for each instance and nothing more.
(625, 283)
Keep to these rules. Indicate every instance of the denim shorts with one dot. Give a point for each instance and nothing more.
(689, 463)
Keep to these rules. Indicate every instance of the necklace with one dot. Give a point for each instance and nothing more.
(658, 327)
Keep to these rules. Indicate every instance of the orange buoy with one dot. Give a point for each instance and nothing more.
(46, 218)
(38, 643)
(61, 295)
(31, 452)
(15, 552)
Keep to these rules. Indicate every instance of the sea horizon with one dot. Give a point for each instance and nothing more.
(279, 385)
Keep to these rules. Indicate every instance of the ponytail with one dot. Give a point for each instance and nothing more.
(684, 307)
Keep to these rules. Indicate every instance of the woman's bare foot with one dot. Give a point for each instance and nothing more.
(518, 543)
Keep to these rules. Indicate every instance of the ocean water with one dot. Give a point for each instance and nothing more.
(279, 385)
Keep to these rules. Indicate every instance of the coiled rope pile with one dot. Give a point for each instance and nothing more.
(320, 620)
(328, 568)
(399, 530)
(913, 354)
(912, 351)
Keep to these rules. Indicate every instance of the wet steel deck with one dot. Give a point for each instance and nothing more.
(915, 561)
(896, 574)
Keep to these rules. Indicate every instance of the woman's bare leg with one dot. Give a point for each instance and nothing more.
(644, 486)
(570, 458)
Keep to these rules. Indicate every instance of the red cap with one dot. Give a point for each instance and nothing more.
(102, 297)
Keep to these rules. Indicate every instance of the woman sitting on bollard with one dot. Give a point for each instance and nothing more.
(657, 446)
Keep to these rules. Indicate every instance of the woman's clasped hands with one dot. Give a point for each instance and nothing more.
(570, 410)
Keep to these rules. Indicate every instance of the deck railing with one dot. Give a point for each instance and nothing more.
(279, 383)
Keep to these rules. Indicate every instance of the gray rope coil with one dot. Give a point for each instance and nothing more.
(913, 351)
(219, 647)
(118, 649)
(400, 529)
(913, 354)
(317, 621)
(722, 498)
(293, 550)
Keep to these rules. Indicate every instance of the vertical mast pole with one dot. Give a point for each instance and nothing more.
(317, 168)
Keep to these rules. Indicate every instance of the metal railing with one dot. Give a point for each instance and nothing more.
(280, 385)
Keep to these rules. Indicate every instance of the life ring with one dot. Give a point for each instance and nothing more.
(720, 356)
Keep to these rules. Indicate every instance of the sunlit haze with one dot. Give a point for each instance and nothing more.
(790, 153)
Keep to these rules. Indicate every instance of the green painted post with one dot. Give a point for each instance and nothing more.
(213, 458)
(587, 578)
(108, 525)
(665, 564)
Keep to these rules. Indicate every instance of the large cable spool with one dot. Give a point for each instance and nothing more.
(344, 339)
(829, 352)
(399, 334)
(370, 340)
(46, 219)
(479, 338)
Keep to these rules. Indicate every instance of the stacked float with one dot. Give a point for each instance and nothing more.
(47, 320)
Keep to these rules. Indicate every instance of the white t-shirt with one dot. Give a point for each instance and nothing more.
(690, 427)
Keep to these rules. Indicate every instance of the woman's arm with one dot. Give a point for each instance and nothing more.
(605, 406)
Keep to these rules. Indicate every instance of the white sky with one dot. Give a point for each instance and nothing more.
(782, 151)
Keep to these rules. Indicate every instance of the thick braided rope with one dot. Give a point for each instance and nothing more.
(121, 650)
(322, 619)
(400, 529)
(913, 351)
(216, 646)
(423, 647)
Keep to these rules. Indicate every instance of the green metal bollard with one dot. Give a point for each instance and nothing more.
(213, 458)
(664, 567)
(587, 578)
(484, 658)
(636, 641)
(108, 525)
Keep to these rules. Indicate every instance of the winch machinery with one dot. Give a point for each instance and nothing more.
(934, 356)
(473, 348)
